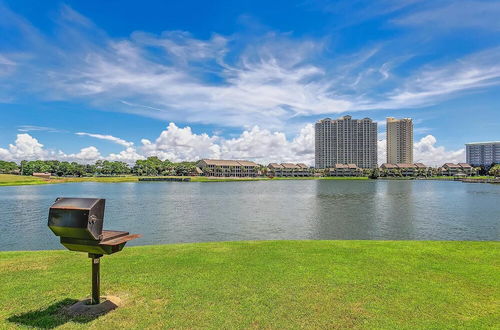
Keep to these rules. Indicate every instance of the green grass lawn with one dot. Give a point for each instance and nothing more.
(16, 180)
(273, 284)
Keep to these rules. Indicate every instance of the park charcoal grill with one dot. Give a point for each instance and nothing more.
(78, 222)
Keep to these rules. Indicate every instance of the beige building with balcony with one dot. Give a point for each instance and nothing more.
(228, 168)
(344, 170)
(399, 141)
(451, 169)
(402, 169)
(288, 170)
(346, 141)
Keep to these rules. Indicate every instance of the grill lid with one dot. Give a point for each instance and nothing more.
(80, 218)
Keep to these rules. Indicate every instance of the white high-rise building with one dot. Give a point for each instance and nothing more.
(346, 141)
(399, 141)
(483, 153)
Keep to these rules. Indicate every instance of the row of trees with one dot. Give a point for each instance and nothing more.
(495, 170)
(8, 167)
(151, 166)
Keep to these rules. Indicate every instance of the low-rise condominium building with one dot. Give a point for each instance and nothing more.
(451, 169)
(288, 170)
(405, 169)
(344, 170)
(228, 168)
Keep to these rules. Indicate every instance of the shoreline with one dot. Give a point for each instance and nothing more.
(17, 180)
(7, 180)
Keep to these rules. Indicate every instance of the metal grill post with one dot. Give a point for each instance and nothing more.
(96, 263)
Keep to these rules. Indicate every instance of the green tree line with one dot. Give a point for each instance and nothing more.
(151, 166)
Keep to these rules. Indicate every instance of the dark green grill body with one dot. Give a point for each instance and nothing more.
(78, 222)
(77, 217)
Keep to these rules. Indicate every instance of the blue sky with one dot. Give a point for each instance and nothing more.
(82, 80)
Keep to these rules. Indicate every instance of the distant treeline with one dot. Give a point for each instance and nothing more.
(148, 167)
(152, 166)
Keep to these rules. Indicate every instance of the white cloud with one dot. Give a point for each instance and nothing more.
(426, 151)
(25, 147)
(458, 14)
(129, 155)
(257, 144)
(86, 155)
(382, 151)
(5, 155)
(30, 128)
(7, 66)
(264, 146)
(5, 61)
(182, 46)
(427, 86)
(179, 144)
(107, 138)
(70, 15)
(263, 81)
(260, 145)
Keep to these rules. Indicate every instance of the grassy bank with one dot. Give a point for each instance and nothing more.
(17, 180)
(275, 284)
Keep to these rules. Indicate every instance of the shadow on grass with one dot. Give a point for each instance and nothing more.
(53, 316)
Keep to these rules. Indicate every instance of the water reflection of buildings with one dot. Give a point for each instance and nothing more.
(395, 210)
(365, 210)
(344, 210)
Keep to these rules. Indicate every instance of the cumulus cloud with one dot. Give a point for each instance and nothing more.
(27, 147)
(426, 151)
(265, 146)
(86, 155)
(382, 151)
(179, 144)
(260, 145)
(182, 144)
(129, 155)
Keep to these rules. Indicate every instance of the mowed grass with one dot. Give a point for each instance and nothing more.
(17, 180)
(268, 284)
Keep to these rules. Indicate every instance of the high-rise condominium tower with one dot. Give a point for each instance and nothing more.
(483, 153)
(346, 141)
(399, 141)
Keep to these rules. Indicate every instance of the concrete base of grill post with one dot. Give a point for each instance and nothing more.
(83, 307)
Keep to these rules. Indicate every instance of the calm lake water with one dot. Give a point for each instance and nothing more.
(197, 212)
